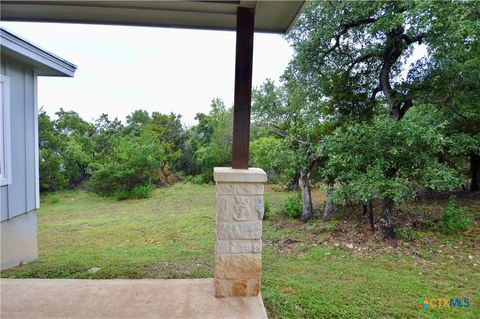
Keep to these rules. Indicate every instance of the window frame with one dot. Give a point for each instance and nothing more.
(5, 137)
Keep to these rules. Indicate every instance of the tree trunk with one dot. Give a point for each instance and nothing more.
(370, 215)
(474, 171)
(387, 226)
(329, 207)
(307, 211)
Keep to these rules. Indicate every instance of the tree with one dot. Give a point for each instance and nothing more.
(285, 113)
(51, 163)
(76, 147)
(351, 52)
(356, 56)
(136, 120)
(66, 149)
(105, 131)
(210, 141)
(275, 156)
(363, 155)
(462, 131)
(130, 169)
(168, 130)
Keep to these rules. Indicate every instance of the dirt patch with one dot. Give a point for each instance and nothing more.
(285, 245)
(351, 232)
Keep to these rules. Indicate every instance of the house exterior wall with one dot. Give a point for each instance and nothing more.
(20, 196)
(18, 240)
(19, 199)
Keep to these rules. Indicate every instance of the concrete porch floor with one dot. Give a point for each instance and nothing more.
(144, 298)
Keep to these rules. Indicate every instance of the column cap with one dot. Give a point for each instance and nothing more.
(250, 175)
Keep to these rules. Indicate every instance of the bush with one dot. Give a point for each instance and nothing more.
(266, 209)
(51, 174)
(454, 220)
(137, 192)
(196, 179)
(406, 234)
(292, 207)
(130, 170)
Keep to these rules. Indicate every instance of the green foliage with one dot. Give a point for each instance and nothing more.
(125, 160)
(266, 209)
(273, 154)
(406, 234)
(209, 144)
(76, 145)
(197, 179)
(138, 192)
(50, 161)
(347, 52)
(389, 159)
(289, 129)
(292, 206)
(51, 175)
(360, 60)
(66, 150)
(454, 219)
(133, 162)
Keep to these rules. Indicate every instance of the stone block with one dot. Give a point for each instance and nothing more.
(239, 246)
(240, 266)
(250, 175)
(239, 208)
(237, 287)
(239, 188)
(239, 230)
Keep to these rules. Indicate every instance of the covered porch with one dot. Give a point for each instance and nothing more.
(239, 188)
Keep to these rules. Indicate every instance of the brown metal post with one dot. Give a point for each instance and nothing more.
(243, 87)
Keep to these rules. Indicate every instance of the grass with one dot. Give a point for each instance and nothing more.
(314, 270)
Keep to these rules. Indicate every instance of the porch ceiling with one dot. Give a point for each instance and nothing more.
(270, 16)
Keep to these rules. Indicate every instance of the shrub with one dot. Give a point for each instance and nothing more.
(51, 174)
(406, 234)
(130, 170)
(198, 179)
(292, 206)
(142, 191)
(138, 192)
(121, 195)
(266, 209)
(454, 220)
(195, 179)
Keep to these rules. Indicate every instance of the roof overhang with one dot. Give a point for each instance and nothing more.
(44, 62)
(270, 16)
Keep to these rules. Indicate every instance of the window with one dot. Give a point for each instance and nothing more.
(5, 154)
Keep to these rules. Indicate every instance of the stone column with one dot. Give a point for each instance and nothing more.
(238, 259)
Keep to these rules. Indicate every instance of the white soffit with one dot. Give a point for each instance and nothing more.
(270, 16)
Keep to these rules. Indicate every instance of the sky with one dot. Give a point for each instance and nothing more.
(121, 69)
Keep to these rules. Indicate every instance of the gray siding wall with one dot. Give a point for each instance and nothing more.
(19, 197)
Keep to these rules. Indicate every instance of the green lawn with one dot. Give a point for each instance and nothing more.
(337, 270)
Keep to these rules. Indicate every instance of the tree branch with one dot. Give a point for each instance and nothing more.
(358, 60)
(359, 22)
(408, 40)
(346, 26)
